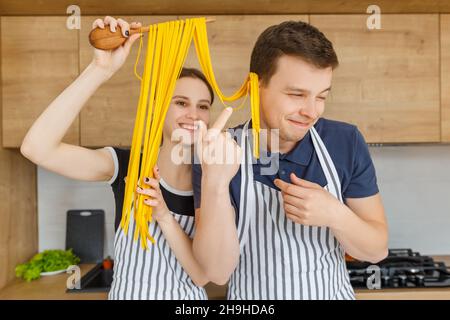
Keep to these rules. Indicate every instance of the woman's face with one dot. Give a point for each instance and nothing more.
(191, 101)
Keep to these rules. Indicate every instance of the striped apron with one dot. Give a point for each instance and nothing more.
(280, 259)
(153, 274)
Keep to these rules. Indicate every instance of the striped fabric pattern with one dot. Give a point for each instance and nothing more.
(153, 274)
(280, 259)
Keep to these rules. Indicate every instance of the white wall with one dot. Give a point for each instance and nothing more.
(57, 195)
(414, 183)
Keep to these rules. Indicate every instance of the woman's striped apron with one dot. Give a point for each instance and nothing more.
(153, 274)
(281, 259)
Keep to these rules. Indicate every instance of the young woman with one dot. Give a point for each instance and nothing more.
(168, 269)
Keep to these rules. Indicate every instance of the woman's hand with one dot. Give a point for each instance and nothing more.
(156, 200)
(109, 61)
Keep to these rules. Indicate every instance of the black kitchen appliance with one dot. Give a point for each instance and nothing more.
(403, 268)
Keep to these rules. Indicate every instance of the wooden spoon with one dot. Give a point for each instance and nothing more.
(105, 39)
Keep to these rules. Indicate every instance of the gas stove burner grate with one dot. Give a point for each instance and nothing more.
(403, 268)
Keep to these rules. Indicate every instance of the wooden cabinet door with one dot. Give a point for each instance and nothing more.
(18, 212)
(39, 58)
(231, 40)
(109, 115)
(388, 79)
(445, 77)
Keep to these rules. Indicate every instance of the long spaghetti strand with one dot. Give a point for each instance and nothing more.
(167, 49)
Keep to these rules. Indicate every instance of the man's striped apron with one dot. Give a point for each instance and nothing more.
(153, 274)
(281, 259)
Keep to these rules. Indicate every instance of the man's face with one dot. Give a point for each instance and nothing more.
(294, 98)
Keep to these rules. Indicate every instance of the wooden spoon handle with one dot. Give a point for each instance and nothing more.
(104, 39)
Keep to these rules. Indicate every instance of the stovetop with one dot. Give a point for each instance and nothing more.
(403, 268)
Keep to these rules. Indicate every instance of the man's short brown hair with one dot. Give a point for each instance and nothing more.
(295, 38)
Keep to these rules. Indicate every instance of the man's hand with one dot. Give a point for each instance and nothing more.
(219, 154)
(308, 203)
(216, 242)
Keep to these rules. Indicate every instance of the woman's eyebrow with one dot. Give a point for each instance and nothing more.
(182, 97)
(186, 98)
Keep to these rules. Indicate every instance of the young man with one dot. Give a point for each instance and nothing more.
(284, 235)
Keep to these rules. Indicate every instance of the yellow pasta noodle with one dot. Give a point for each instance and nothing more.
(167, 49)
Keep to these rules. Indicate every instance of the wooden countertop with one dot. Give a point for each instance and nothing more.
(54, 287)
(48, 288)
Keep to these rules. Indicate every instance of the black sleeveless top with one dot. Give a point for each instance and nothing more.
(180, 202)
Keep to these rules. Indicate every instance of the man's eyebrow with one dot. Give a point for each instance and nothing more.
(327, 89)
(294, 89)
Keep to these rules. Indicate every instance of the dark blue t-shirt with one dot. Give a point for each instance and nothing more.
(347, 149)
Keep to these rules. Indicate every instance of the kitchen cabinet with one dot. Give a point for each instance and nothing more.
(445, 77)
(18, 214)
(39, 58)
(90, 7)
(388, 80)
(389, 83)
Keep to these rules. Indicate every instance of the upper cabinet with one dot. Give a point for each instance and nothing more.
(39, 59)
(179, 7)
(388, 80)
(445, 77)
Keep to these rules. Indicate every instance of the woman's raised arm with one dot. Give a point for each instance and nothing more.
(43, 142)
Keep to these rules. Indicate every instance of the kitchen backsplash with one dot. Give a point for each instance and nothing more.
(57, 195)
(414, 182)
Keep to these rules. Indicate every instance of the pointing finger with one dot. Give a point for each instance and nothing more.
(291, 189)
(303, 183)
(281, 184)
(219, 124)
